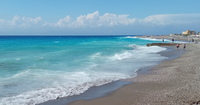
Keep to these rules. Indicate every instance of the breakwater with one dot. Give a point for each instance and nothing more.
(162, 44)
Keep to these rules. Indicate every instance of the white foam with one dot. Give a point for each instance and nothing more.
(122, 56)
(131, 37)
(151, 49)
(152, 39)
(96, 55)
(61, 85)
(139, 51)
(39, 85)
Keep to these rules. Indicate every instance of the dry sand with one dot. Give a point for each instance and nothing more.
(173, 82)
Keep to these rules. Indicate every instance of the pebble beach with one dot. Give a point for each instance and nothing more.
(172, 82)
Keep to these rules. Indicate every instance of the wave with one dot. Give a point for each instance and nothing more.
(139, 51)
(62, 85)
(122, 56)
(134, 37)
(152, 39)
(33, 86)
(96, 55)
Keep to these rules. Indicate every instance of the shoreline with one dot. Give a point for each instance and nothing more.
(111, 87)
(108, 89)
(171, 82)
(176, 38)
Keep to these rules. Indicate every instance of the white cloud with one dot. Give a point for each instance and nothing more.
(172, 19)
(89, 20)
(102, 24)
(155, 19)
(114, 20)
(25, 21)
(21, 25)
(18, 21)
(93, 20)
(64, 21)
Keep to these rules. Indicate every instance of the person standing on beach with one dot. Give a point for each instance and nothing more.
(163, 40)
(177, 46)
(172, 40)
(192, 40)
(184, 46)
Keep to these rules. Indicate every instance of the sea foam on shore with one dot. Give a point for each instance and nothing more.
(173, 82)
(35, 69)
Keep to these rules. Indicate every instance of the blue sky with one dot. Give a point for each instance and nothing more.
(98, 17)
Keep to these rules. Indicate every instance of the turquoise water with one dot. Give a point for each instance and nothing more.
(35, 69)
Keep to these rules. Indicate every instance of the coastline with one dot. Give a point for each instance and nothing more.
(171, 82)
(106, 90)
(175, 37)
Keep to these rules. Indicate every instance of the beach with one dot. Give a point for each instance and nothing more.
(106, 70)
(63, 67)
(175, 37)
(172, 82)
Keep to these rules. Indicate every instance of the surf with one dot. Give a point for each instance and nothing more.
(36, 69)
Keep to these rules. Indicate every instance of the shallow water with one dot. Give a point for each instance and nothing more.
(36, 69)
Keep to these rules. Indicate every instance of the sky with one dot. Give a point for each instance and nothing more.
(98, 17)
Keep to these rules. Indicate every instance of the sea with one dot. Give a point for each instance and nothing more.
(35, 69)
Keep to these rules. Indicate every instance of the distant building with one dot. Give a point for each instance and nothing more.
(192, 33)
(188, 32)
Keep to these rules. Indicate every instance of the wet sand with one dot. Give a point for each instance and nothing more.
(173, 82)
